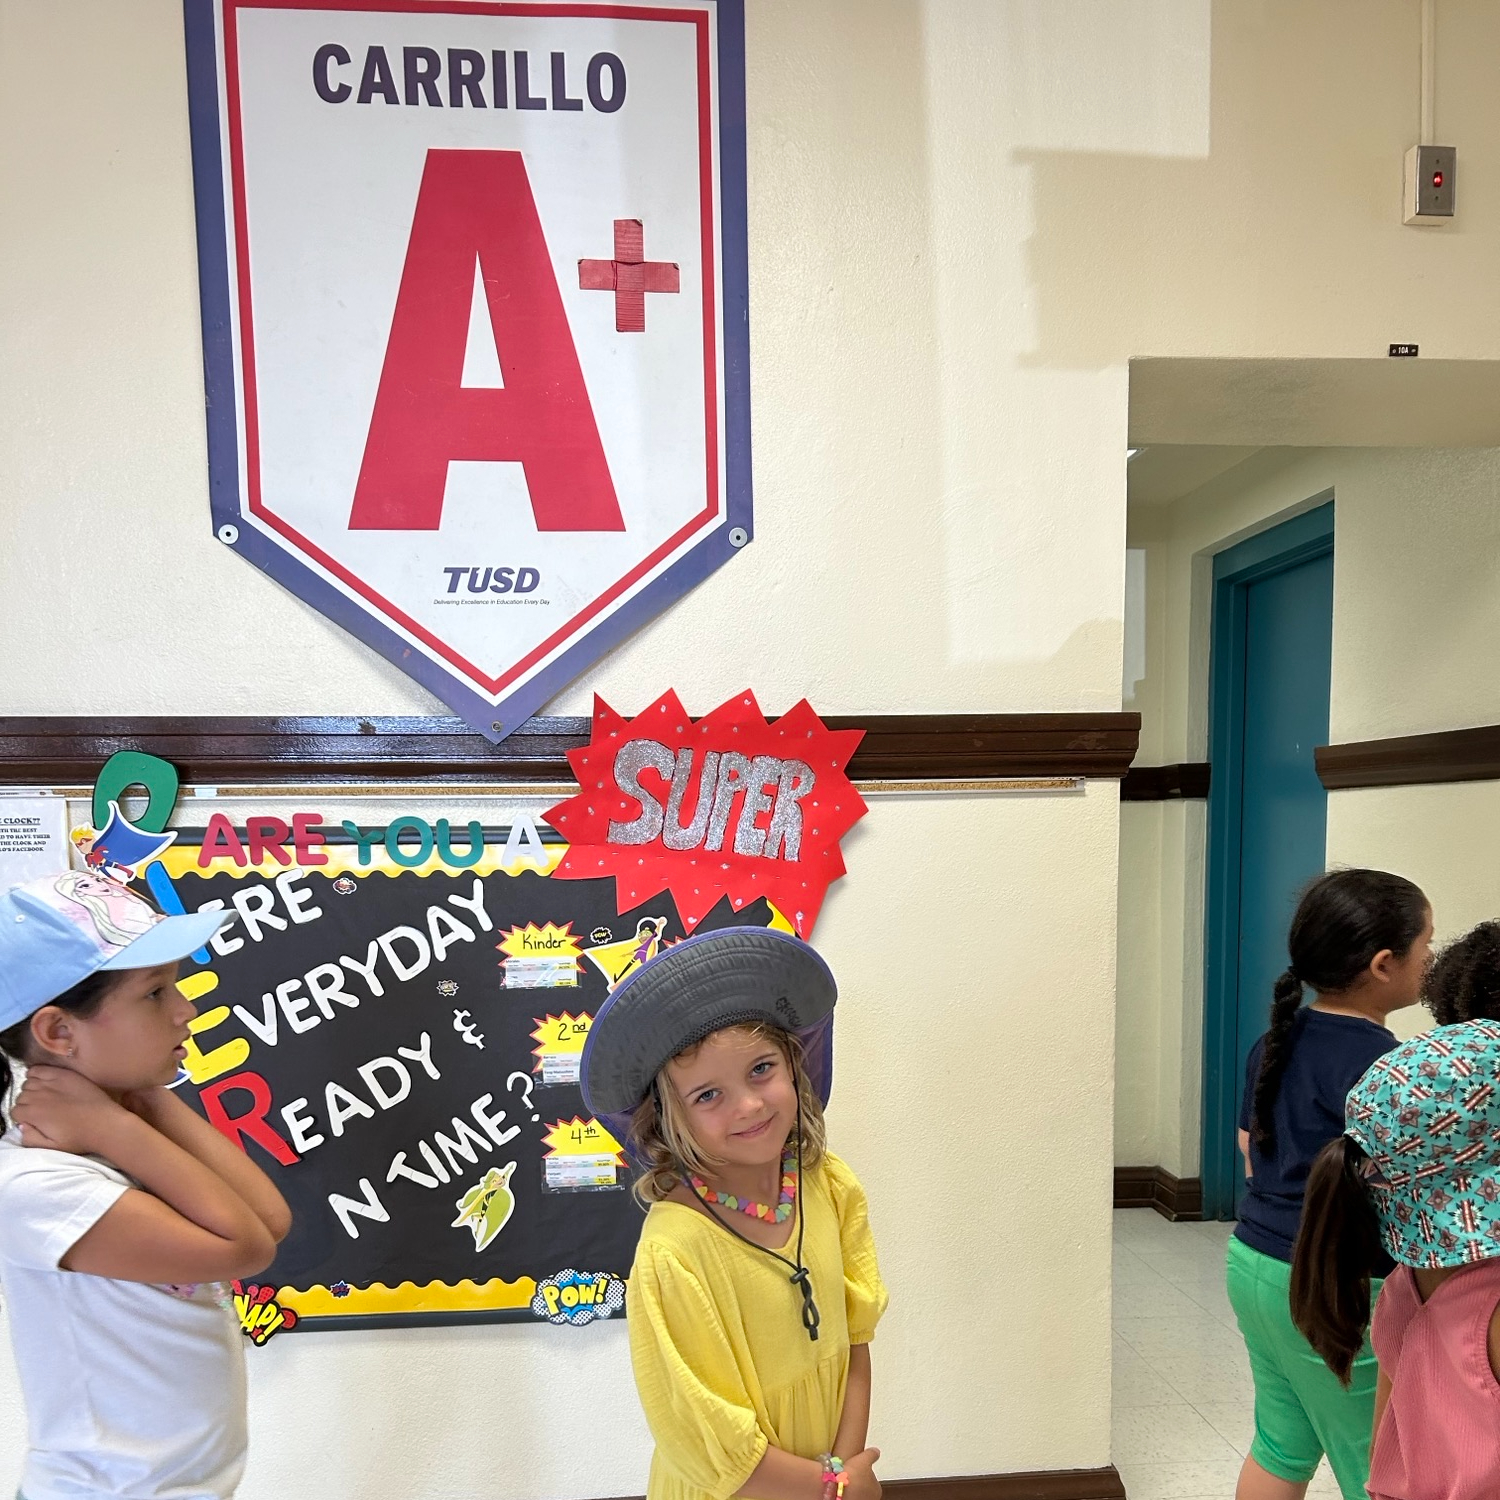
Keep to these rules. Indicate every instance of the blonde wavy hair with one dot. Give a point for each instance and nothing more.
(661, 1137)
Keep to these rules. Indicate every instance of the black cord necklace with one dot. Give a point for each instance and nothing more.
(799, 1277)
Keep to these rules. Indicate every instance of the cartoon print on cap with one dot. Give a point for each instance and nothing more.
(117, 916)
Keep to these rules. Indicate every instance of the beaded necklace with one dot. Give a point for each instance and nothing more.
(777, 1215)
(800, 1277)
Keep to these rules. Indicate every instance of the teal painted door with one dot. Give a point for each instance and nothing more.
(1268, 814)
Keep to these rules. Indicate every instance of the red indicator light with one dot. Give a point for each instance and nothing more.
(1437, 179)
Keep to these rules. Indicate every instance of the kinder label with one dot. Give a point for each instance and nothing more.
(473, 282)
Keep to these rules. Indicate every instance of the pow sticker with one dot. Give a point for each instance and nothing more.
(578, 1297)
(475, 326)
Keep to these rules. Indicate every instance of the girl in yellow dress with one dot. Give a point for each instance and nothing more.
(755, 1291)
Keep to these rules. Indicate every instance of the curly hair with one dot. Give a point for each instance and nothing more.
(1464, 981)
(661, 1139)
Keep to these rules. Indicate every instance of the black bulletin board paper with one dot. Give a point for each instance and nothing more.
(398, 1256)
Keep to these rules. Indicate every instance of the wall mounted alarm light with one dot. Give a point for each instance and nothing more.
(1430, 175)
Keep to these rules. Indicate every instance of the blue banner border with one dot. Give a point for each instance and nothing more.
(221, 399)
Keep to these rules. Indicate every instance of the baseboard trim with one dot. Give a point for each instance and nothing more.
(1048, 1484)
(1057, 1484)
(1179, 1199)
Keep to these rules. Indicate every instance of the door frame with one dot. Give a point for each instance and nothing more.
(1286, 545)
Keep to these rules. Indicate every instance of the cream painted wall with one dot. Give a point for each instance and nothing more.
(966, 215)
(467, 1412)
(1139, 986)
(1413, 652)
(922, 562)
(912, 554)
(1413, 645)
(1158, 994)
(1416, 623)
(1443, 837)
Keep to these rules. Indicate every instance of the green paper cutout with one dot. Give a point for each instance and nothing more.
(127, 768)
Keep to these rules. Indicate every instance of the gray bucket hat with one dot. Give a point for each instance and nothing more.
(730, 977)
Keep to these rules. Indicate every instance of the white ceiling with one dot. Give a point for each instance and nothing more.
(1166, 471)
(1237, 405)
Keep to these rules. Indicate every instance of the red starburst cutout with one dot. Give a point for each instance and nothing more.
(778, 801)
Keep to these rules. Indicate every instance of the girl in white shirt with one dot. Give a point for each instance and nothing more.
(123, 1214)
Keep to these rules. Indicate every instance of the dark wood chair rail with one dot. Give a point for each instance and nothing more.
(1412, 760)
(245, 751)
(1187, 779)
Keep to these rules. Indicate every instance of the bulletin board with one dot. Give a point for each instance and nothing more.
(395, 1038)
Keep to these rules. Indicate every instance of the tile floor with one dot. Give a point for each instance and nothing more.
(1183, 1402)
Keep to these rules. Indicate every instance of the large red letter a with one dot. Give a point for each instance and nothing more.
(479, 203)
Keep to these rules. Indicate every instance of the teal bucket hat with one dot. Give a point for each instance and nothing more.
(1428, 1117)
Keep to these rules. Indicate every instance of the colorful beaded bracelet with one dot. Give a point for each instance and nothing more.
(834, 1477)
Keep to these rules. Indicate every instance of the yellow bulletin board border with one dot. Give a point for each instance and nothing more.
(380, 1306)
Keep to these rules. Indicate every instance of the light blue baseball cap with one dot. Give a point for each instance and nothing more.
(56, 931)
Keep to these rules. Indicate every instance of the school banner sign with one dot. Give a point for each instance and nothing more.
(474, 299)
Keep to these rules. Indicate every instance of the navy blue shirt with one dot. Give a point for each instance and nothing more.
(1329, 1055)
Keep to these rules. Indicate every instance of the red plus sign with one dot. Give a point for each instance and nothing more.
(629, 276)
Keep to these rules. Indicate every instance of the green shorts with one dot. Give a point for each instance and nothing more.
(1301, 1410)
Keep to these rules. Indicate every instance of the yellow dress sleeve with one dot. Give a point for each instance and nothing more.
(865, 1296)
(694, 1397)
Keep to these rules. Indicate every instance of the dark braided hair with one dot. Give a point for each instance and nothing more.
(1464, 983)
(1343, 920)
(82, 1000)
